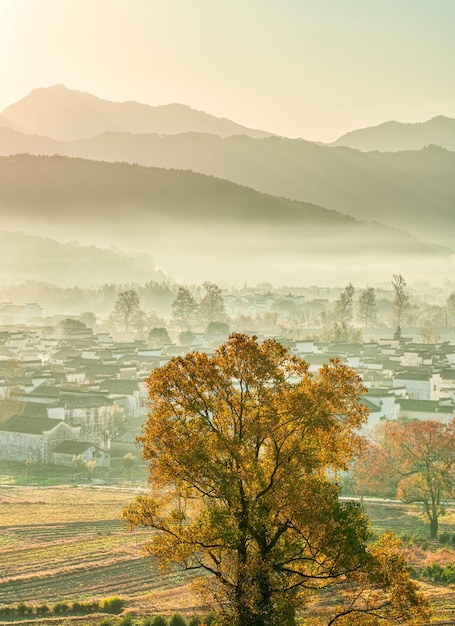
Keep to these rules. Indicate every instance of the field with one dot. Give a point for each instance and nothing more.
(68, 543)
(407, 522)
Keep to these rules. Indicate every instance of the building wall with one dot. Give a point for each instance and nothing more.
(97, 424)
(91, 454)
(21, 447)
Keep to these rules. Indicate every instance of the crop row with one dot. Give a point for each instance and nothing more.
(85, 552)
(24, 505)
(50, 532)
(60, 550)
(131, 577)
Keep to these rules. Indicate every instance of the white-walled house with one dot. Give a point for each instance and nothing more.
(64, 453)
(426, 410)
(420, 385)
(94, 413)
(24, 438)
(385, 400)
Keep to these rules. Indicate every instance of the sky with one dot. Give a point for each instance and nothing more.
(299, 68)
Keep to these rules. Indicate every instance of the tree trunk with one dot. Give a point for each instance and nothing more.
(434, 527)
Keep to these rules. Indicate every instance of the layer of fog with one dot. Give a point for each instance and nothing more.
(191, 253)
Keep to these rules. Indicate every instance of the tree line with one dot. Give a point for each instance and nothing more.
(137, 309)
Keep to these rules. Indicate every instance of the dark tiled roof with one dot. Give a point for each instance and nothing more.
(424, 405)
(119, 386)
(29, 425)
(34, 409)
(85, 400)
(372, 408)
(128, 436)
(102, 369)
(379, 391)
(46, 390)
(413, 376)
(73, 447)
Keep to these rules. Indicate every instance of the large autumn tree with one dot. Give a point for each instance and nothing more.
(244, 449)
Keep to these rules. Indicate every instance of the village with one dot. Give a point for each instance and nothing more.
(68, 391)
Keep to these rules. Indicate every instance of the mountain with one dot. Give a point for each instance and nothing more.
(395, 136)
(200, 227)
(65, 114)
(14, 142)
(6, 123)
(25, 258)
(411, 190)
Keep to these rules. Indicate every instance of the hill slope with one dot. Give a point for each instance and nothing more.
(65, 114)
(412, 190)
(394, 136)
(199, 227)
(24, 258)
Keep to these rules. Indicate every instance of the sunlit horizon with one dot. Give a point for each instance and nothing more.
(308, 70)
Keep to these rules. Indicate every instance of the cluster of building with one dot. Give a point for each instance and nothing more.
(67, 395)
(77, 393)
(403, 378)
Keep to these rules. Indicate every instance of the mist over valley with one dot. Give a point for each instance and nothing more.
(410, 190)
(196, 227)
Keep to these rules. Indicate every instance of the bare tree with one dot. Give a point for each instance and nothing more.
(211, 307)
(343, 306)
(368, 307)
(184, 308)
(401, 299)
(126, 309)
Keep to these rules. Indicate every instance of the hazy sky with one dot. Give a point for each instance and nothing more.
(306, 68)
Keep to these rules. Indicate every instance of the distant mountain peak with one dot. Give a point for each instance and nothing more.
(395, 136)
(66, 114)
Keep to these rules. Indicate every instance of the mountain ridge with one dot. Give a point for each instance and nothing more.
(197, 225)
(409, 190)
(65, 114)
(393, 136)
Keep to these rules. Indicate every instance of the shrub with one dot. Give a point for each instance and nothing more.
(6, 610)
(21, 608)
(24, 609)
(438, 574)
(126, 621)
(42, 609)
(177, 620)
(445, 537)
(61, 607)
(106, 621)
(77, 608)
(415, 540)
(113, 605)
(90, 606)
(159, 620)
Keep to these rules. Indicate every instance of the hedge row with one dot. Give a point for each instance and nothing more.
(108, 605)
(160, 620)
